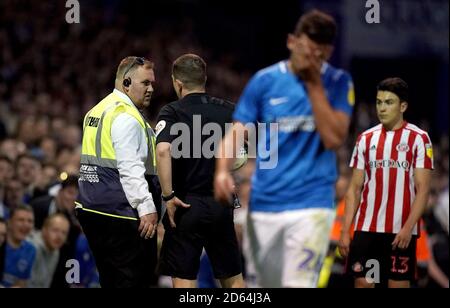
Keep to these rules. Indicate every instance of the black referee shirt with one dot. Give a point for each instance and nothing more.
(193, 173)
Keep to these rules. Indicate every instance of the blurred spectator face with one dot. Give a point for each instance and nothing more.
(26, 130)
(71, 136)
(6, 171)
(389, 108)
(41, 128)
(49, 174)
(19, 101)
(20, 225)
(2, 232)
(43, 102)
(14, 193)
(28, 170)
(58, 125)
(141, 89)
(64, 157)
(12, 148)
(48, 146)
(67, 197)
(55, 232)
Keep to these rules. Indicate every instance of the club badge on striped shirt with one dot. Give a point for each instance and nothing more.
(402, 147)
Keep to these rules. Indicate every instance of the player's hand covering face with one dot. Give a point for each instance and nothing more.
(307, 57)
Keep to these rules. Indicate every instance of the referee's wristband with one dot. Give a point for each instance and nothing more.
(169, 197)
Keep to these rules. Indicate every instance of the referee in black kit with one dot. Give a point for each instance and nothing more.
(194, 220)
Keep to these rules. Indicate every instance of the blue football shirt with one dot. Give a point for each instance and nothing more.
(18, 263)
(305, 174)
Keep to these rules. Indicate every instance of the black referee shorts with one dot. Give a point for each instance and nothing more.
(369, 247)
(123, 258)
(206, 224)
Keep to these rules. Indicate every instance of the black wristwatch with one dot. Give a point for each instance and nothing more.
(169, 197)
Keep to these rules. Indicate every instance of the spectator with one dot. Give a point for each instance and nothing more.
(2, 246)
(12, 148)
(6, 173)
(48, 243)
(28, 169)
(19, 253)
(14, 193)
(63, 202)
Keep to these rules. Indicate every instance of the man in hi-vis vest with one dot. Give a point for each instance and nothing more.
(115, 205)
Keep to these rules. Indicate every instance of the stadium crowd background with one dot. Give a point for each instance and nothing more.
(52, 72)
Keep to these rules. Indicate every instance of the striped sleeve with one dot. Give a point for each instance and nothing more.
(423, 152)
(357, 160)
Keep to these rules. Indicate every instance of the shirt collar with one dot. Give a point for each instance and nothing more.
(284, 67)
(324, 67)
(125, 97)
(383, 129)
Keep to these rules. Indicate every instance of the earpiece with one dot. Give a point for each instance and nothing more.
(137, 61)
(127, 82)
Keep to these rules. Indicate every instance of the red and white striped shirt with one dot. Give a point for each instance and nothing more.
(389, 159)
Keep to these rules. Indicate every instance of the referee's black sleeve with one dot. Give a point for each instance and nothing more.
(166, 119)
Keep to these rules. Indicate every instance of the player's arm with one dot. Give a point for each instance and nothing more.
(352, 201)
(422, 178)
(223, 181)
(331, 124)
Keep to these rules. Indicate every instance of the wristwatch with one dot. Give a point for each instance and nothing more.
(169, 197)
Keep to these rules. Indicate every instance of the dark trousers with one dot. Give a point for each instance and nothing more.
(123, 258)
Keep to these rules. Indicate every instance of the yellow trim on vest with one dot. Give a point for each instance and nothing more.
(102, 213)
(153, 138)
(107, 110)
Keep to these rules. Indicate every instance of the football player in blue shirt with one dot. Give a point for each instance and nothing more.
(292, 201)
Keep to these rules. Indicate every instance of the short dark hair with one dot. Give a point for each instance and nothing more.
(6, 159)
(395, 85)
(318, 26)
(190, 69)
(21, 207)
(2, 220)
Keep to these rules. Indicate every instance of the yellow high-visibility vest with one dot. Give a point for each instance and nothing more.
(99, 183)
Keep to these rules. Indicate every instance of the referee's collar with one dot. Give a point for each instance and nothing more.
(195, 94)
(124, 97)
